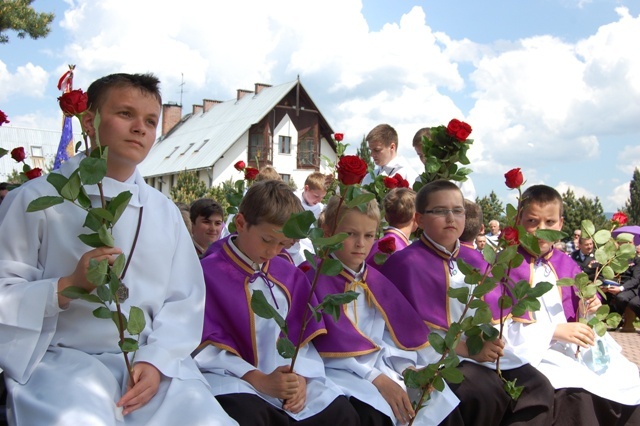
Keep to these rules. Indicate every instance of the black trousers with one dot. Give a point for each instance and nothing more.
(483, 400)
(369, 416)
(251, 410)
(578, 407)
(627, 298)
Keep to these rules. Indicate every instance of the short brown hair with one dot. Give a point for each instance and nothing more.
(316, 180)
(473, 221)
(332, 215)
(399, 206)
(269, 201)
(422, 198)
(268, 173)
(542, 195)
(384, 134)
(417, 138)
(98, 90)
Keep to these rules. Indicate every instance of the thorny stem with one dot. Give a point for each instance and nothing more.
(305, 317)
(426, 389)
(121, 333)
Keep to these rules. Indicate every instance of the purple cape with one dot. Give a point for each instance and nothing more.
(401, 243)
(560, 264)
(229, 319)
(344, 339)
(421, 273)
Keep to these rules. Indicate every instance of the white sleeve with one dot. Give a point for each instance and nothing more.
(212, 359)
(28, 298)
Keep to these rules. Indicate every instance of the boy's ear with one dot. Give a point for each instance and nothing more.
(241, 222)
(87, 123)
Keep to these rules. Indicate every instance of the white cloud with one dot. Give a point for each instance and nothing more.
(619, 196)
(628, 159)
(563, 186)
(27, 81)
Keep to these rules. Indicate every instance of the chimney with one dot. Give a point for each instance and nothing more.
(196, 109)
(171, 115)
(260, 86)
(242, 92)
(209, 103)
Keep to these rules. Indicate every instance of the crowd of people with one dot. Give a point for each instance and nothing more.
(206, 358)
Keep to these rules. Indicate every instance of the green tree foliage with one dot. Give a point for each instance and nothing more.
(632, 206)
(491, 209)
(364, 153)
(19, 16)
(578, 209)
(188, 188)
(218, 193)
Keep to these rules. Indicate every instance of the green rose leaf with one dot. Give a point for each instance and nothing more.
(452, 375)
(565, 282)
(613, 320)
(136, 321)
(57, 180)
(550, 235)
(437, 342)
(607, 272)
(118, 204)
(588, 228)
(460, 294)
(92, 222)
(73, 292)
(129, 345)
(482, 316)
(122, 323)
(42, 203)
(380, 258)
(92, 240)
(489, 332)
(521, 289)
(285, 348)
(540, 289)
(83, 199)
(360, 200)
(97, 273)
(118, 264)
(330, 267)
(512, 390)
(298, 225)
(600, 328)
(489, 254)
(232, 210)
(263, 309)
(104, 294)
(484, 288)
(71, 189)
(92, 170)
(505, 302)
(452, 337)
(474, 344)
(602, 237)
(102, 312)
(105, 236)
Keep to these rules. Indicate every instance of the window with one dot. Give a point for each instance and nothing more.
(285, 178)
(36, 151)
(285, 145)
(306, 153)
(259, 152)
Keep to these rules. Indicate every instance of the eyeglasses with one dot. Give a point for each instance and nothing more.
(458, 211)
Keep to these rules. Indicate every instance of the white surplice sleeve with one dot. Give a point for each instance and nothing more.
(28, 298)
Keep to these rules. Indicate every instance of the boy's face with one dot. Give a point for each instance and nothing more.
(444, 230)
(313, 196)
(206, 230)
(259, 242)
(362, 233)
(380, 153)
(537, 216)
(418, 149)
(128, 121)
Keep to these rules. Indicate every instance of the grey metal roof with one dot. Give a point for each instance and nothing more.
(220, 127)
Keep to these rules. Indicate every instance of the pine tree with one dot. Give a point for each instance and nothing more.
(19, 16)
(632, 207)
(491, 209)
(364, 153)
(578, 209)
(188, 188)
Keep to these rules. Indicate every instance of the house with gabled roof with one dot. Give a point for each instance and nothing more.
(278, 126)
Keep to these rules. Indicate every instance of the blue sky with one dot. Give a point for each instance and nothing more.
(551, 86)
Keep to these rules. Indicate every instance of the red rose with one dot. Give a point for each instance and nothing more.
(338, 136)
(510, 235)
(620, 218)
(513, 178)
(3, 118)
(240, 166)
(351, 169)
(33, 173)
(18, 154)
(458, 129)
(73, 102)
(390, 182)
(250, 173)
(304, 267)
(402, 182)
(387, 245)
